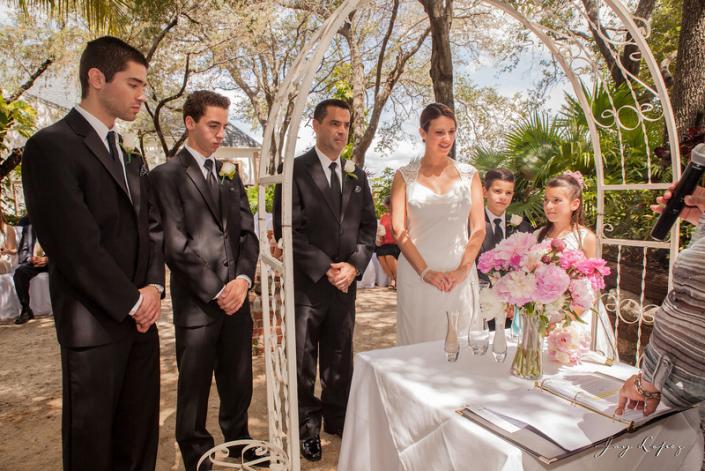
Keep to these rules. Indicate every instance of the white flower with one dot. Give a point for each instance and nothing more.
(515, 220)
(491, 305)
(228, 170)
(349, 166)
(129, 141)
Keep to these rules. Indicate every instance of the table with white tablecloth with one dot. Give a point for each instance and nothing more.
(402, 416)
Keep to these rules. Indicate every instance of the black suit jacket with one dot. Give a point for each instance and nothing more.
(25, 249)
(102, 245)
(320, 237)
(204, 248)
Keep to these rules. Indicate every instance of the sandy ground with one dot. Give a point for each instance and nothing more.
(30, 389)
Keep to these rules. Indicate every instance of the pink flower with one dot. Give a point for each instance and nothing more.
(582, 294)
(516, 288)
(487, 262)
(517, 245)
(551, 282)
(566, 344)
(595, 269)
(569, 258)
(558, 245)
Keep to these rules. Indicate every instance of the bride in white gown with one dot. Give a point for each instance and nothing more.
(432, 201)
(563, 205)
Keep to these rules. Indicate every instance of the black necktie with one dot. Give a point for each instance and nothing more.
(212, 182)
(115, 157)
(497, 235)
(335, 188)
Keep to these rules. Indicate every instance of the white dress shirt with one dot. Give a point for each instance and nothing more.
(200, 161)
(491, 216)
(325, 163)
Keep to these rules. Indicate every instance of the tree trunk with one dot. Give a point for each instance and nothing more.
(357, 119)
(440, 16)
(688, 93)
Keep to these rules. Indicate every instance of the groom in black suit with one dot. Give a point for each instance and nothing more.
(92, 208)
(334, 228)
(211, 249)
(498, 190)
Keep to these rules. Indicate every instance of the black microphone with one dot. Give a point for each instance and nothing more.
(686, 185)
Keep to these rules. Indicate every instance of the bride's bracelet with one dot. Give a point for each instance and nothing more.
(423, 273)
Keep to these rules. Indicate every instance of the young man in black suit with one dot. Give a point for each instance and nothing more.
(30, 264)
(334, 228)
(498, 190)
(92, 208)
(211, 249)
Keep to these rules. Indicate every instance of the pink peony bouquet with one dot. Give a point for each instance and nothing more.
(544, 279)
(566, 344)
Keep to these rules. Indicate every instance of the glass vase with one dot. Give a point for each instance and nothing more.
(452, 345)
(528, 362)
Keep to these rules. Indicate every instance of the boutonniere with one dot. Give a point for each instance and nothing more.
(227, 170)
(128, 143)
(515, 220)
(349, 169)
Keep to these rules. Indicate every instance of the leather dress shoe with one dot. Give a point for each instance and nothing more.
(24, 316)
(311, 448)
(251, 455)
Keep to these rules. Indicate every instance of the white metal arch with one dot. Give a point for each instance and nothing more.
(576, 59)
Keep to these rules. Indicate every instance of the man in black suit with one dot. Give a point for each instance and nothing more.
(211, 249)
(91, 204)
(334, 228)
(31, 262)
(498, 190)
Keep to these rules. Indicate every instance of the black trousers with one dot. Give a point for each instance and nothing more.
(224, 348)
(111, 405)
(326, 330)
(22, 277)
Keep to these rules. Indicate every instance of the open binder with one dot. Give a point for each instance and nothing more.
(587, 398)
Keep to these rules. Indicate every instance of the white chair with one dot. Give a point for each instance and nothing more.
(368, 277)
(39, 299)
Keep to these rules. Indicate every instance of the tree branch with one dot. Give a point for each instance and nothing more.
(30, 81)
(162, 34)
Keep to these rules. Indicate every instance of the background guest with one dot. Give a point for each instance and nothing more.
(387, 249)
(31, 262)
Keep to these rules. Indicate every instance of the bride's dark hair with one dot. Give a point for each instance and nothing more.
(575, 190)
(433, 111)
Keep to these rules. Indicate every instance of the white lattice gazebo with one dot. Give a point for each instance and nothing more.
(571, 44)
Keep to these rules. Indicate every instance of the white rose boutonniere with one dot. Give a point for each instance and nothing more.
(515, 220)
(129, 142)
(349, 169)
(228, 171)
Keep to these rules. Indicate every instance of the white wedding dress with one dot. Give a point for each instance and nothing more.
(606, 343)
(438, 227)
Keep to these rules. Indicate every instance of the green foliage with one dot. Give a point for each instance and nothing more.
(540, 147)
(381, 188)
(17, 116)
(252, 197)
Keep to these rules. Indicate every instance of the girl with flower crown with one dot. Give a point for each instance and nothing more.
(563, 207)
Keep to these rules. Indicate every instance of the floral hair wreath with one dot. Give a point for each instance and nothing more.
(577, 176)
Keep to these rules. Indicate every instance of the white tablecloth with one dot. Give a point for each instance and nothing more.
(401, 416)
